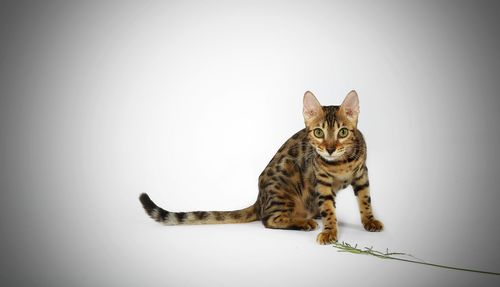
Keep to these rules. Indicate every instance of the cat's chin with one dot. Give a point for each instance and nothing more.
(330, 158)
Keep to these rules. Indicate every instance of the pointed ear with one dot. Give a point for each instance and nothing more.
(350, 106)
(312, 108)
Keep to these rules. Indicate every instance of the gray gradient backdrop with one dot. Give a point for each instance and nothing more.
(188, 101)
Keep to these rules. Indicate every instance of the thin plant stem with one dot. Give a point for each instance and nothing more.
(346, 247)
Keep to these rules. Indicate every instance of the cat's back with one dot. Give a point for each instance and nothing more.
(295, 147)
(296, 151)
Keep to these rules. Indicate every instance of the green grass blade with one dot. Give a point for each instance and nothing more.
(346, 247)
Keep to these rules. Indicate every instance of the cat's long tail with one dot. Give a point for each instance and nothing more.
(196, 217)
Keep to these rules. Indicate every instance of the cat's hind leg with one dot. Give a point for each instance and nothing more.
(280, 198)
(279, 210)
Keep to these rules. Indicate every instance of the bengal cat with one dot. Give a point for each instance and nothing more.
(301, 181)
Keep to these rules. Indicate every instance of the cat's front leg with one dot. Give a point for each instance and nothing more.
(361, 187)
(326, 203)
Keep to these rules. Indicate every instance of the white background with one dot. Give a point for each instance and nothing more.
(189, 100)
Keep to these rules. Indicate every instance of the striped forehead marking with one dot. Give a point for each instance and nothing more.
(330, 115)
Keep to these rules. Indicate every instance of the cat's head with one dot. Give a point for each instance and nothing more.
(331, 130)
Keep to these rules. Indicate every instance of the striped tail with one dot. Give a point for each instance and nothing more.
(196, 217)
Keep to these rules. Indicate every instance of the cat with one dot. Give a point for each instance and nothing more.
(301, 181)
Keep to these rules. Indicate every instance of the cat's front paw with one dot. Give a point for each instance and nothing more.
(373, 225)
(327, 237)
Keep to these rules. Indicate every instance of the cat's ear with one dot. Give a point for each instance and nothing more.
(350, 106)
(312, 108)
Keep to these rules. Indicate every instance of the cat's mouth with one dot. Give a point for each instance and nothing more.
(329, 157)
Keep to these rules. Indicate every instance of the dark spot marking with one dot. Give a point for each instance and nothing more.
(283, 180)
(274, 203)
(354, 156)
(326, 197)
(278, 168)
(310, 202)
(285, 173)
(301, 182)
(285, 196)
(162, 214)
(249, 214)
(200, 215)
(303, 148)
(323, 182)
(358, 178)
(265, 220)
(357, 188)
(293, 152)
(270, 172)
(264, 184)
(235, 214)
(218, 215)
(295, 227)
(298, 190)
(181, 216)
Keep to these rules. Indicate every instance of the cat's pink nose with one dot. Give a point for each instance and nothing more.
(330, 150)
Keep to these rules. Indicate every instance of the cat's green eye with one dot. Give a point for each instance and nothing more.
(343, 132)
(319, 133)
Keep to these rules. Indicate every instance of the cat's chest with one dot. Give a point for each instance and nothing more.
(338, 175)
